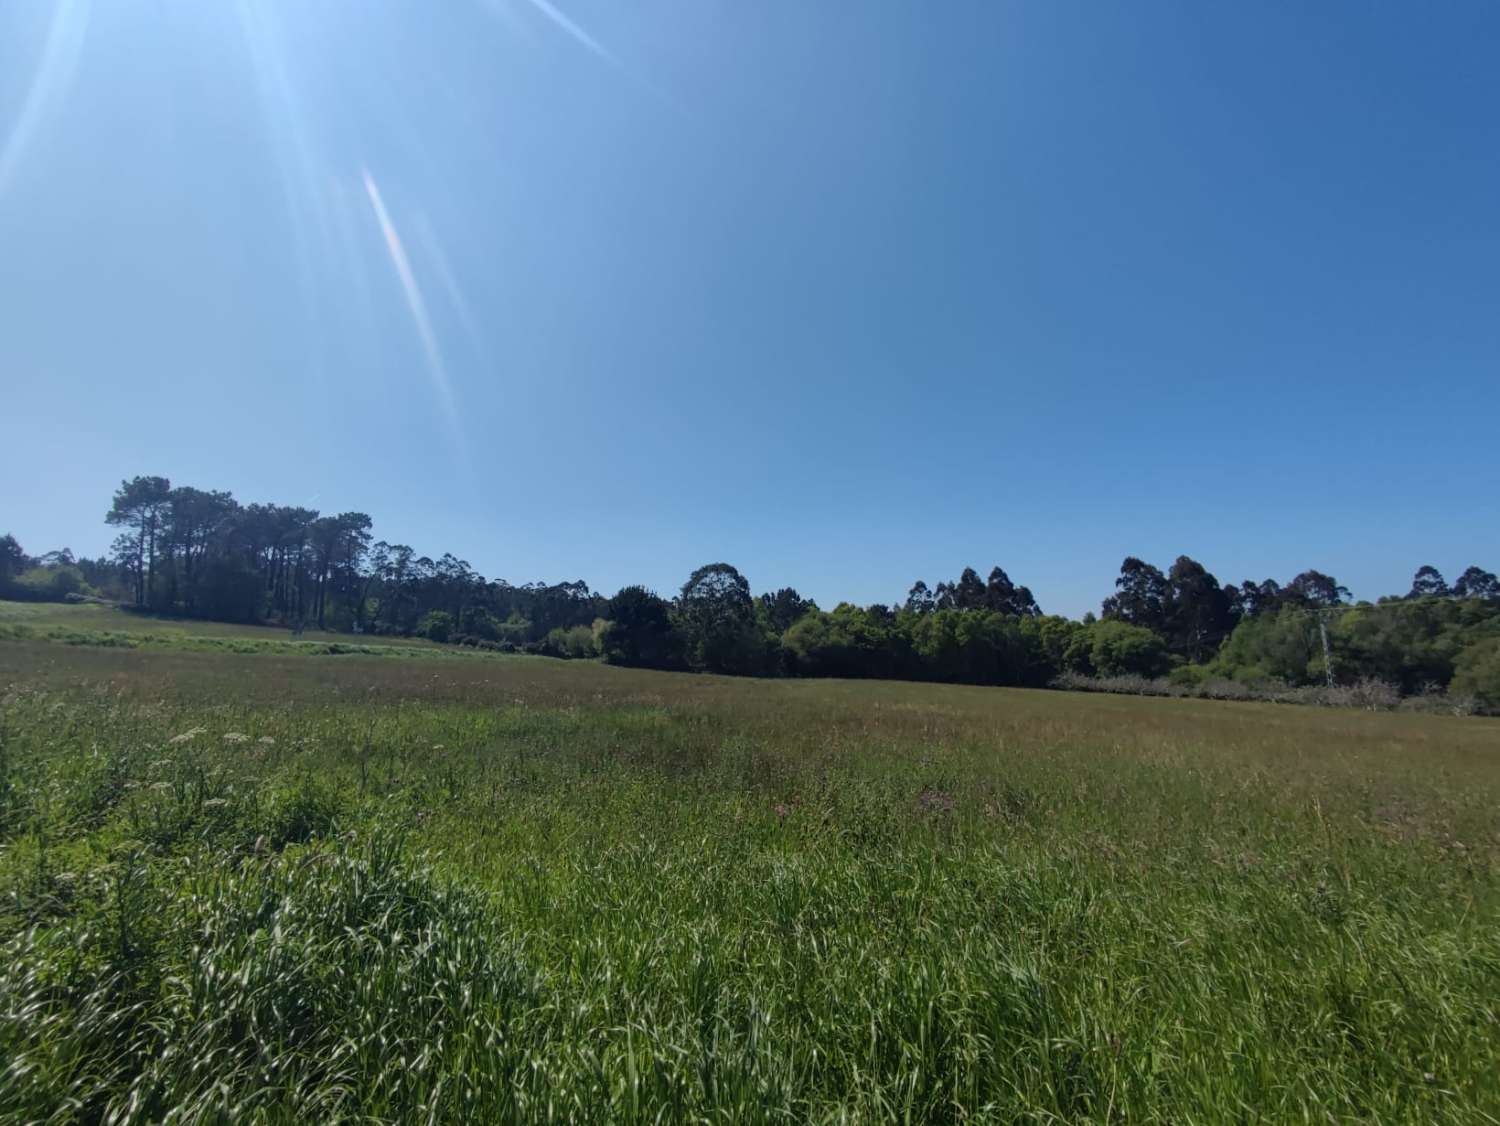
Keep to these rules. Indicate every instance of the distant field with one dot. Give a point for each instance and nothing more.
(92, 623)
(276, 888)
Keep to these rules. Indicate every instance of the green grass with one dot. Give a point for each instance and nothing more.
(278, 889)
(104, 626)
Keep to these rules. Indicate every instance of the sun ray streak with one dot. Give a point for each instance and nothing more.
(571, 28)
(433, 250)
(288, 132)
(54, 74)
(436, 369)
(579, 35)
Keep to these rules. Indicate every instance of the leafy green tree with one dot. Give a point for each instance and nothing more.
(1280, 646)
(12, 560)
(1118, 648)
(1199, 614)
(920, 600)
(436, 625)
(1476, 583)
(1141, 596)
(1253, 599)
(848, 642)
(716, 618)
(639, 630)
(1477, 673)
(778, 611)
(1428, 583)
(1314, 589)
(969, 591)
(139, 505)
(230, 590)
(1005, 597)
(1412, 643)
(49, 584)
(476, 621)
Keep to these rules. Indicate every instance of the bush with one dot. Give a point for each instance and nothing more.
(1476, 673)
(574, 643)
(436, 625)
(639, 631)
(468, 640)
(1367, 693)
(49, 584)
(1118, 648)
(1189, 676)
(479, 623)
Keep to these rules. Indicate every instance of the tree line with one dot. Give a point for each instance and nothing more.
(201, 553)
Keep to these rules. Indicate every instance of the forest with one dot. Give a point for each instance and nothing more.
(193, 553)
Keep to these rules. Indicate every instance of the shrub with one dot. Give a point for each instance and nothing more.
(49, 584)
(1367, 693)
(436, 625)
(1118, 648)
(575, 643)
(1476, 673)
(1189, 676)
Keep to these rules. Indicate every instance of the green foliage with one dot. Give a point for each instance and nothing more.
(1116, 648)
(716, 619)
(847, 642)
(230, 591)
(1281, 646)
(436, 625)
(13, 560)
(575, 643)
(476, 621)
(51, 584)
(1477, 673)
(639, 630)
(1412, 644)
(777, 612)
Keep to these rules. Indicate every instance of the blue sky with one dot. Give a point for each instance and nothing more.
(844, 294)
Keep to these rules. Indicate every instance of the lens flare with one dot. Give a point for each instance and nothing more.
(437, 371)
(54, 74)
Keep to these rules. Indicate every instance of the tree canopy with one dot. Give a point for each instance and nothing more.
(196, 552)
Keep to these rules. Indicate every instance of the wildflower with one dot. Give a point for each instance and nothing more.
(187, 736)
(266, 741)
(235, 737)
(215, 803)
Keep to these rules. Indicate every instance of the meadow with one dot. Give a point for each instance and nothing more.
(293, 885)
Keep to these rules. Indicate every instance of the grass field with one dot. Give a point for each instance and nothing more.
(274, 887)
(104, 625)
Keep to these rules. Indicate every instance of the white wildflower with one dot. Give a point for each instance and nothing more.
(187, 736)
(235, 737)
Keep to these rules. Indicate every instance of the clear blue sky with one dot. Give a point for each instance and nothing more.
(844, 294)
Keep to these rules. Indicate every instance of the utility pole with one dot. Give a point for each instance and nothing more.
(1327, 652)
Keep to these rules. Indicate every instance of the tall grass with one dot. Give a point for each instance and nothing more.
(277, 889)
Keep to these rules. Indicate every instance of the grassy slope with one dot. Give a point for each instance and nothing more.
(102, 625)
(520, 888)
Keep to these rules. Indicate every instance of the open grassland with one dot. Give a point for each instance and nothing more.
(283, 889)
(107, 626)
